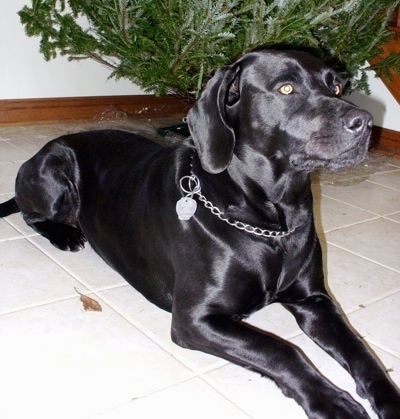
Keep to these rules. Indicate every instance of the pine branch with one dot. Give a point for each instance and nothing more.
(175, 46)
(387, 66)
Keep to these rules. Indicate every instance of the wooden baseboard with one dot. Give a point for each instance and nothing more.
(34, 111)
(387, 140)
(27, 111)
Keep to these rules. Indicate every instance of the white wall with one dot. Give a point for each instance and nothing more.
(382, 105)
(25, 74)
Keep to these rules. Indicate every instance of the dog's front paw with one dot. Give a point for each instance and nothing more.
(388, 406)
(341, 405)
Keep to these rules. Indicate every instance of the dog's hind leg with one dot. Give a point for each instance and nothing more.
(48, 197)
(59, 225)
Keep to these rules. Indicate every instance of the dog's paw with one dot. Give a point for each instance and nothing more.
(62, 236)
(68, 238)
(350, 408)
(340, 406)
(386, 400)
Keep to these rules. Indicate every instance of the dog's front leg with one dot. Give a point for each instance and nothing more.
(220, 335)
(322, 321)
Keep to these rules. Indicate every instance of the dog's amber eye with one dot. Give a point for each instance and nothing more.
(286, 89)
(338, 90)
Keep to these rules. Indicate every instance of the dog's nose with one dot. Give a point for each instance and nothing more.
(356, 120)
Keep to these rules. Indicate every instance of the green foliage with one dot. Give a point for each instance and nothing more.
(174, 46)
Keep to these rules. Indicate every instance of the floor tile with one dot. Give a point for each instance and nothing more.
(377, 323)
(8, 172)
(275, 319)
(390, 362)
(395, 217)
(59, 361)
(63, 362)
(85, 265)
(355, 281)
(331, 370)
(192, 399)
(10, 153)
(11, 132)
(29, 278)
(17, 222)
(366, 195)
(30, 145)
(331, 214)
(156, 323)
(375, 162)
(389, 179)
(7, 232)
(377, 240)
(258, 396)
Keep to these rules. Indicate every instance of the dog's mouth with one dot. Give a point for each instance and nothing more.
(349, 157)
(320, 154)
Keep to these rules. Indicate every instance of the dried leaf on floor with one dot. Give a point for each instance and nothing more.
(89, 304)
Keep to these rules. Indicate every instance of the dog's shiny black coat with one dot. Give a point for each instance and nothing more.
(259, 128)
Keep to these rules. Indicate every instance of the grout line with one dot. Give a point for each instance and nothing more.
(219, 362)
(374, 218)
(363, 257)
(24, 234)
(370, 302)
(18, 161)
(209, 381)
(40, 304)
(10, 143)
(352, 205)
(12, 238)
(387, 217)
(61, 265)
(144, 330)
(383, 186)
(392, 168)
(381, 347)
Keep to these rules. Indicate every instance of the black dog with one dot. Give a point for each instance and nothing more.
(258, 130)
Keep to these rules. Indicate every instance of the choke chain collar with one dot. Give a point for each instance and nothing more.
(187, 206)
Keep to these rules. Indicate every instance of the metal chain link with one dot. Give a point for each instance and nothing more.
(216, 211)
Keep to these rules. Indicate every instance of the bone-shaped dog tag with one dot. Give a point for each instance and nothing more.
(185, 208)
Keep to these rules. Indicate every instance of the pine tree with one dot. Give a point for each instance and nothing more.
(174, 46)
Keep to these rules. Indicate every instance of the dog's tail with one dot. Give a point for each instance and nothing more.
(9, 207)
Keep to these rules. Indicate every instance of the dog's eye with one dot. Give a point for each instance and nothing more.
(286, 89)
(338, 89)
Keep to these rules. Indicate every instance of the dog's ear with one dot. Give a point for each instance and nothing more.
(208, 122)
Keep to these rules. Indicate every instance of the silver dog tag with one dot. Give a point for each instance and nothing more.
(185, 208)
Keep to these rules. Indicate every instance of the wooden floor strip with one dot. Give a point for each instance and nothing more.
(35, 111)
(386, 139)
(26, 111)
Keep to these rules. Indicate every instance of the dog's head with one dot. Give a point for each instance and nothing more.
(282, 105)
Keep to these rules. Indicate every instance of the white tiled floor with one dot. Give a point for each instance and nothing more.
(58, 361)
